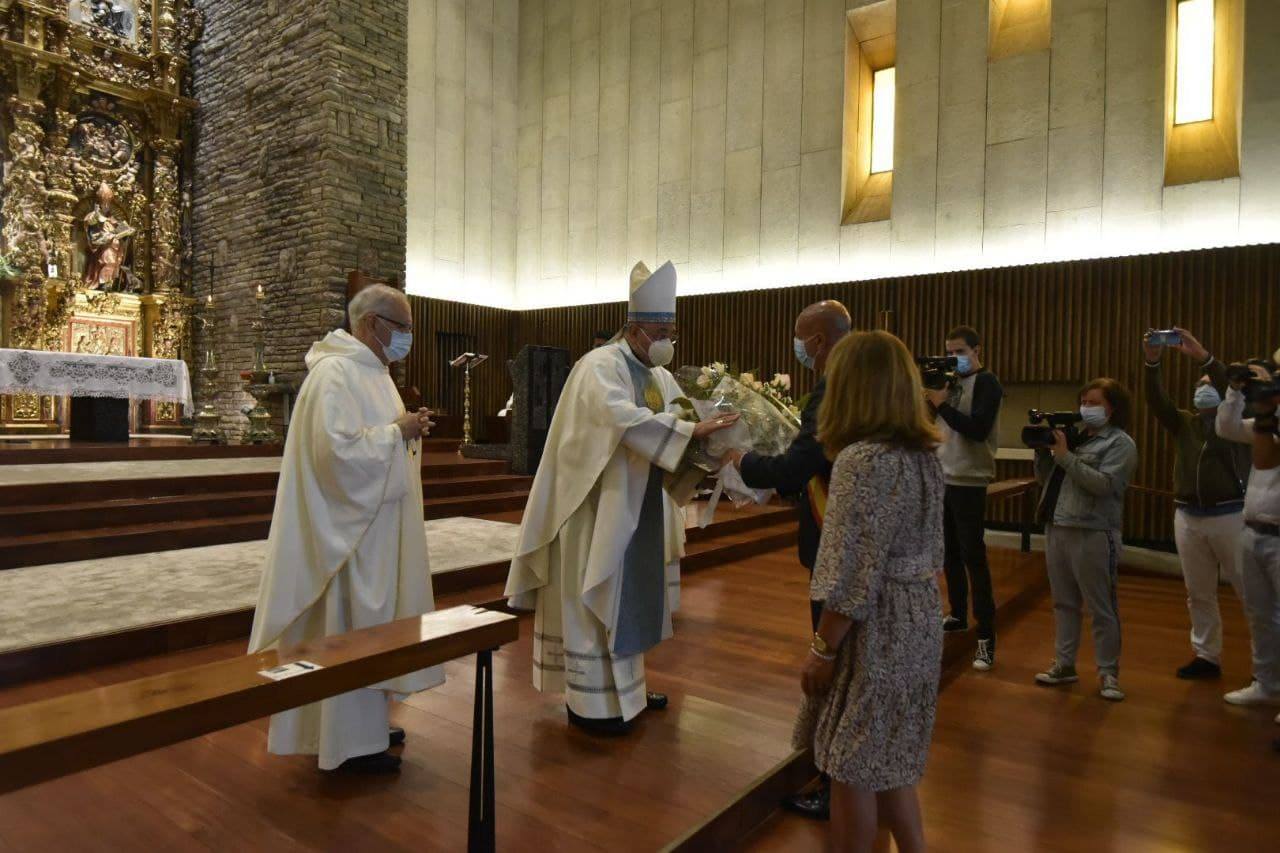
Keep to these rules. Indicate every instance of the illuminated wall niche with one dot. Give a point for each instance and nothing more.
(1018, 26)
(870, 51)
(1204, 67)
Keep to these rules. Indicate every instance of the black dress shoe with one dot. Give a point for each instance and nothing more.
(814, 804)
(1200, 670)
(396, 736)
(376, 764)
(656, 701)
(954, 624)
(611, 726)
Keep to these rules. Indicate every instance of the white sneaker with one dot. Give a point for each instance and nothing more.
(985, 657)
(1254, 694)
(1110, 688)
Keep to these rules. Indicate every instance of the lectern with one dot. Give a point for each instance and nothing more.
(467, 361)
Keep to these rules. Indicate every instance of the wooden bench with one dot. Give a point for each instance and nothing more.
(1026, 489)
(55, 737)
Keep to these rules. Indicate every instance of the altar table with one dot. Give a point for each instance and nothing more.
(100, 386)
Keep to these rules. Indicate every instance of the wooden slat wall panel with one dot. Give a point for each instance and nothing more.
(1048, 323)
(492, 327)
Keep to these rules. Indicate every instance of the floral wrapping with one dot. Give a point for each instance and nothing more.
(768, 424)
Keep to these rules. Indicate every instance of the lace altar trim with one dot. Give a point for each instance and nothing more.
(76, 375)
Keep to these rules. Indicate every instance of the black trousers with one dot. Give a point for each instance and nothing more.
(966, 556)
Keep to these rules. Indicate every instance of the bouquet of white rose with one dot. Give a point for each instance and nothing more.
(769, 421)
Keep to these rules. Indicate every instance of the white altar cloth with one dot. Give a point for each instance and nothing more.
(76, 375)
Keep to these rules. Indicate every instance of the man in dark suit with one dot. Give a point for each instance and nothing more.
(801, 473)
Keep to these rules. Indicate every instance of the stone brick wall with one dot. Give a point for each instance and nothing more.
(299, 171)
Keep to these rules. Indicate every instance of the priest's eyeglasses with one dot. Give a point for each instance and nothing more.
(398, 326)
(662, 333)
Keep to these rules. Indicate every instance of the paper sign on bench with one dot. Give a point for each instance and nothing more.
(289, 670)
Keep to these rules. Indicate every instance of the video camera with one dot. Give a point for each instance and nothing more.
(938, 371)
(1040, 433)
(1256, 389)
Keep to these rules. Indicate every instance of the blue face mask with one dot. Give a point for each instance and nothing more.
(1094, 417)
(398, 348)
(1207, 397)
(964, 365)
(802, 354)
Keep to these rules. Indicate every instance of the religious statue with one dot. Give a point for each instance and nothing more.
(113, 15)
(106, 236)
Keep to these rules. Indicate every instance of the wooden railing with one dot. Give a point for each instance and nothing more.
(56, 737)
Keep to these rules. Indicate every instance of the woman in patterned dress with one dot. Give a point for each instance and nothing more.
(871, 676)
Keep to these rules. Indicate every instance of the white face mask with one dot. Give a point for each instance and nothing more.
(660, 352)
(1094, 417)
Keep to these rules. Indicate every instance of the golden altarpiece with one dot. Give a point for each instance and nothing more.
(93, 223)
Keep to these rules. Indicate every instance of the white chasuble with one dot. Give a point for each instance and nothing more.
(599, 550)
(347, 548)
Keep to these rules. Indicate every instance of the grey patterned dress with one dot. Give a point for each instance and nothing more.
(877, 564)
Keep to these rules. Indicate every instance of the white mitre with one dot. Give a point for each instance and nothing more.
(653, 295)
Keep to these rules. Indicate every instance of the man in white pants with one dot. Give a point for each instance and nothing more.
(1209, 478)
(1260, 541)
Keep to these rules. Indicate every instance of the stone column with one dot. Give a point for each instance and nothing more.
(301, 148)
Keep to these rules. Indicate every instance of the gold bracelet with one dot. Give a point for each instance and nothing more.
(820, 645)
(820, 656)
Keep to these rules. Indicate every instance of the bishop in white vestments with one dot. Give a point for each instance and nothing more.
(600, 543)
(348, 548)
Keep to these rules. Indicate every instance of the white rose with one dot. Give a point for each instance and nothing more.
(706, 371)
(747, 379)
(783, 381)
(704, 381)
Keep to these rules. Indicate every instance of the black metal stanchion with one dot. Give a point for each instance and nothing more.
(481, 831)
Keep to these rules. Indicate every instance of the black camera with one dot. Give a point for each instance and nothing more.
(1256, 389)
(938, 371)
(1040, 433)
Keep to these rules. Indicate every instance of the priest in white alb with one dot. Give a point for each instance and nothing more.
(599, 546)
(348, 547)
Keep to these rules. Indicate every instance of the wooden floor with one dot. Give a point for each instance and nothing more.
(1018, 767)
(731, 673)
(1013, 767)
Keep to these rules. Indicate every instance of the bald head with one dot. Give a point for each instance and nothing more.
(820, 327)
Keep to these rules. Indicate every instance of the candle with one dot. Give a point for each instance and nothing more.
(259, 291)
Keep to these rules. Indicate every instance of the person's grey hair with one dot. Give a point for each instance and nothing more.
(374, 299)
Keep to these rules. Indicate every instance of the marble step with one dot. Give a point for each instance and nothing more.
(93, 543)
(436, 466)
(26, 520)
(724, 541)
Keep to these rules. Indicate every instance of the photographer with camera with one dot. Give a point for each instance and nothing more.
(1209, 473)
(1082, 505)
(967, 408)
(1258, 386)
